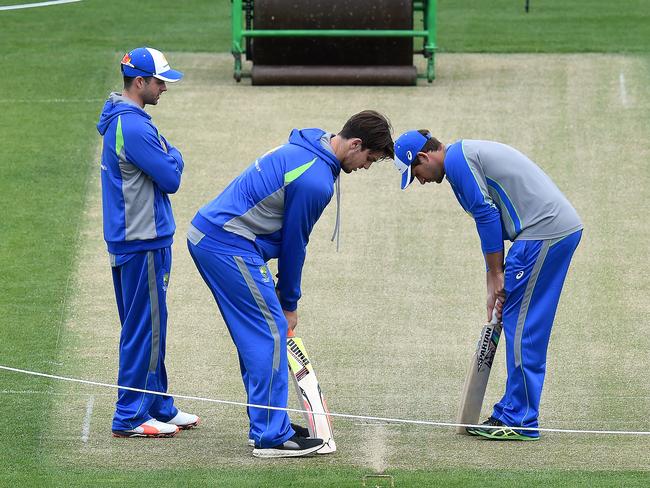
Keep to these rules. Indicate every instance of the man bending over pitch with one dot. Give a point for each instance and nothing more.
(509, 197)
(268, 212)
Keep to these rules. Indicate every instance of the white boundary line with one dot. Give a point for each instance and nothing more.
(331, 414)
(37, 4)
(53, 393)
(52, 100)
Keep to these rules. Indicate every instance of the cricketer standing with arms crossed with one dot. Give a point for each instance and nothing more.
(509, 197)
(139, 169)
(268, 212)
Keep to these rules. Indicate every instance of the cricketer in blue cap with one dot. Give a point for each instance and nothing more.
(146, 61)
(140, 168)
(510, 198)
(412, 148)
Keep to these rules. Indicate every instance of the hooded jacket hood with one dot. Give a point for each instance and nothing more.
(116, 105)
(311, 139)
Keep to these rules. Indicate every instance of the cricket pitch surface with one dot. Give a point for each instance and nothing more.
(391, 320)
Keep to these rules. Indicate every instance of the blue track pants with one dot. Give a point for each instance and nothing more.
(245, 293)
(140, 285)
(534, 276)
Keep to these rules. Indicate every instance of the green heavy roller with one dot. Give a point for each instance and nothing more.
(335, 42)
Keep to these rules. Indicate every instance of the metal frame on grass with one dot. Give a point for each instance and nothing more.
(242, 32)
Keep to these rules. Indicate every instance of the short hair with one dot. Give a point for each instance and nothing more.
(373, 129)
(128, 80)
(432, 143)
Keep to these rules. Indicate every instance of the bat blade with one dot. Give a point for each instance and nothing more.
(478, 375)
(310, 394)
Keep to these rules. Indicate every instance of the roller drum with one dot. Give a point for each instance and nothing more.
(333, 14)
(333, 75)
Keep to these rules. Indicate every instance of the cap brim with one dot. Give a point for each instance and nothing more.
(407, 178)
(171, 76)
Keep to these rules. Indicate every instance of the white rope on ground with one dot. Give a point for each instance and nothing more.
(331, 414)
(37, 4)
(53, 393)
(51, 100)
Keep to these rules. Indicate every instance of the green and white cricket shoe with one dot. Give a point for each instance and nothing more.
(496, 430)
(491, 421)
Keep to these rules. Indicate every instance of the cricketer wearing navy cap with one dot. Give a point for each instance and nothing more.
(146, 61)
(509, 197)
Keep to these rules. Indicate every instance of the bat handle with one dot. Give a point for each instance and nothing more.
(495, 320)
(290, 333)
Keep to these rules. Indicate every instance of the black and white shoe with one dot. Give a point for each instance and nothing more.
(292, 447)
(298, 429)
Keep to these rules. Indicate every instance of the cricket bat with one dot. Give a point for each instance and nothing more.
(478, 375)
(309, 393)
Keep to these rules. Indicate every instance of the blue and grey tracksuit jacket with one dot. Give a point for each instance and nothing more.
(139, 169)
(271, 208)
(507, 194)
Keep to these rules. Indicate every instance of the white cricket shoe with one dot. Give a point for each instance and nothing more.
(150, 428)
(185, 420)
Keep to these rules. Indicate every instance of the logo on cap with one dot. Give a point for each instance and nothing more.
(127, 59)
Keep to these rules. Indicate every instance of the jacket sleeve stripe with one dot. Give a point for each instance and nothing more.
(295, 173)
(119, 137)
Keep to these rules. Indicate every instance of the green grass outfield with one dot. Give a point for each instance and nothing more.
(58, 65)
(340, 478)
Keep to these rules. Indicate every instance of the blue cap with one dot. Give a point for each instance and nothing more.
(146, 61)
(407, 147)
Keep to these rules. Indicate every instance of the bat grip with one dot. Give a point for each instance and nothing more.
(290, 333)
(495, 320)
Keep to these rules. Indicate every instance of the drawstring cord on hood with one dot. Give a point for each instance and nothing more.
(337, 225)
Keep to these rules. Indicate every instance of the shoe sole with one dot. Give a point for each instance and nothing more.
(128, 435)
(283, 453)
